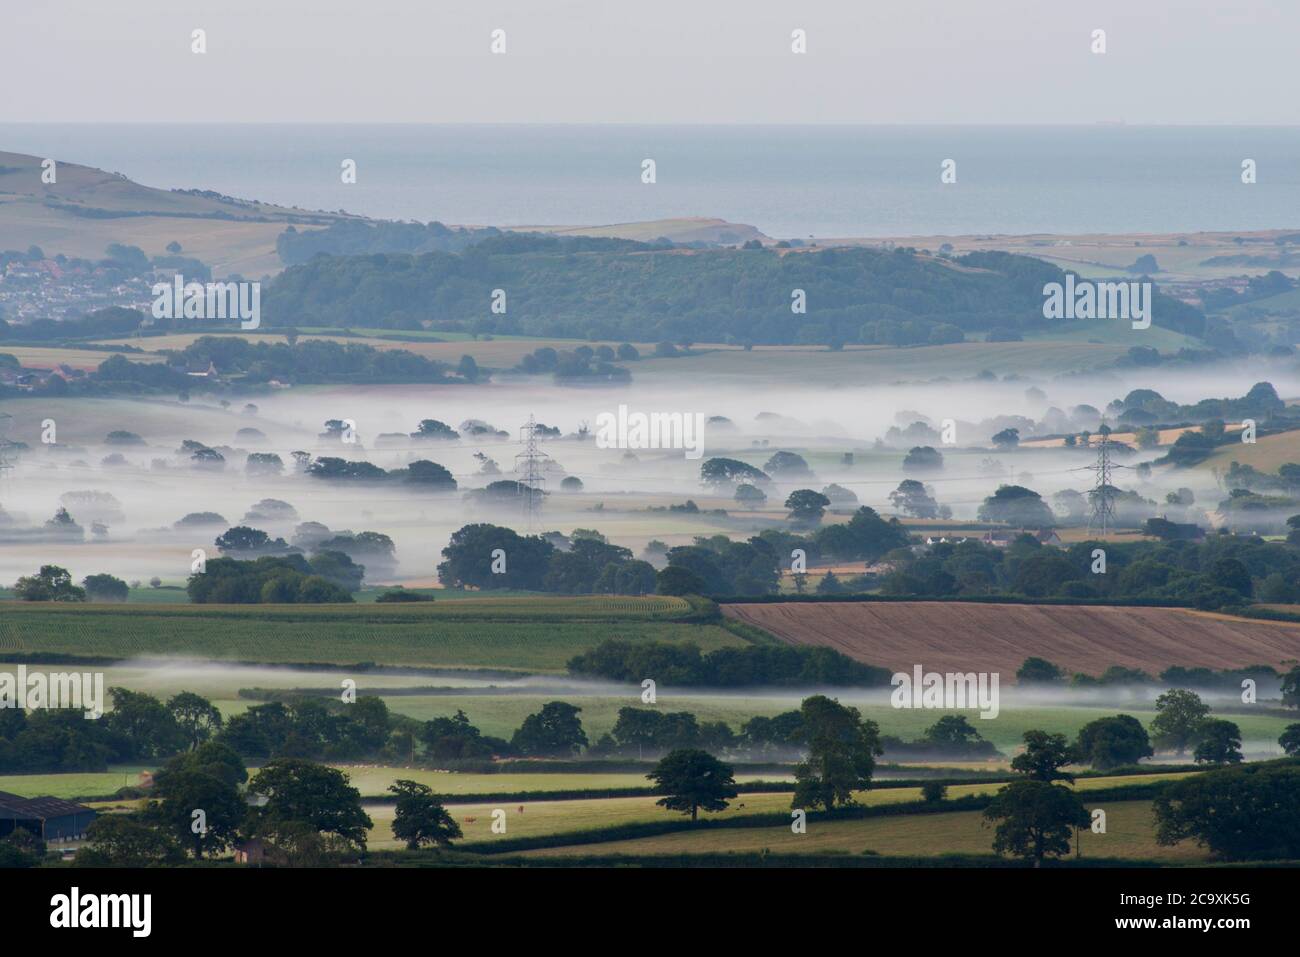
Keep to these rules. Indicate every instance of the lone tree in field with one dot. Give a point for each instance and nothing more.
(1110, 742)
(1039, 671)
(1035, 820)
(1016, 505)
(954, 734)
(1179, 716)
(1007, 439)
(693, 779)
(721, 471)
(842, 751)
(555, 730)
(1044, 756)
(1290, 740)
(105, 587)
(913, 498)
(1291, 683)
(1219, 743)
(302, 796)
(807, 506)
(420, 819)
(933, 791)
(923, 458)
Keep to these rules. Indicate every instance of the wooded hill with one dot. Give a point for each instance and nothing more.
(618, 289)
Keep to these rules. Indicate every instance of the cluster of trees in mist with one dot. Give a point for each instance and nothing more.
(489, 556)
(327, 577)
(586, 365)
(495, 557)
(1040, 673)
(53, 583)
(1143, 411)
(319, 566)
(1223, 570)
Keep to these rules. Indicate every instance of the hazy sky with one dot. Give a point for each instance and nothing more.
(655, 61)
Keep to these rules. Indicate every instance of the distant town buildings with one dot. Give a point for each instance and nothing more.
(50, 289)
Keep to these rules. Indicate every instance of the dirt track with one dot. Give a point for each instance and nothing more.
(957, 636)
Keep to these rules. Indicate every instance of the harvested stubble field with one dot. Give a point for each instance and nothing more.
(969, 636)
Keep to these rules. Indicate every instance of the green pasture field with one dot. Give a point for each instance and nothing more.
(874, 365)
(74, 784)
(559, 817)
(1115, 332)
(152, 596)
(370, 592)
(529, 634)
(373, 780)
(1284, 303)
(1130, 833)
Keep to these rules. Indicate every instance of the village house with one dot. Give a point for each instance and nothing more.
(1000, 538)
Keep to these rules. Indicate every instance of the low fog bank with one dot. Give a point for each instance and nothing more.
(141, 504)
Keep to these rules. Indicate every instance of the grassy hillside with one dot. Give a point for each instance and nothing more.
(1265, 454)
(87, 208)
(47, 357)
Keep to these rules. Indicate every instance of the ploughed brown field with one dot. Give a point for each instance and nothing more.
(958, 636)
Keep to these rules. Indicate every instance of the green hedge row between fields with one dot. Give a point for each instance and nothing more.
(845, 859)
(956, 599)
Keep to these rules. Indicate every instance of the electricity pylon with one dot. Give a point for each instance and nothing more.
(1103, 491)
(530, 466)
(5, 444)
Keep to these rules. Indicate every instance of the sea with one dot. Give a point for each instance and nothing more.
(791, 182)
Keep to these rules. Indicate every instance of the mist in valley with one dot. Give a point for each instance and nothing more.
(128, 499)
